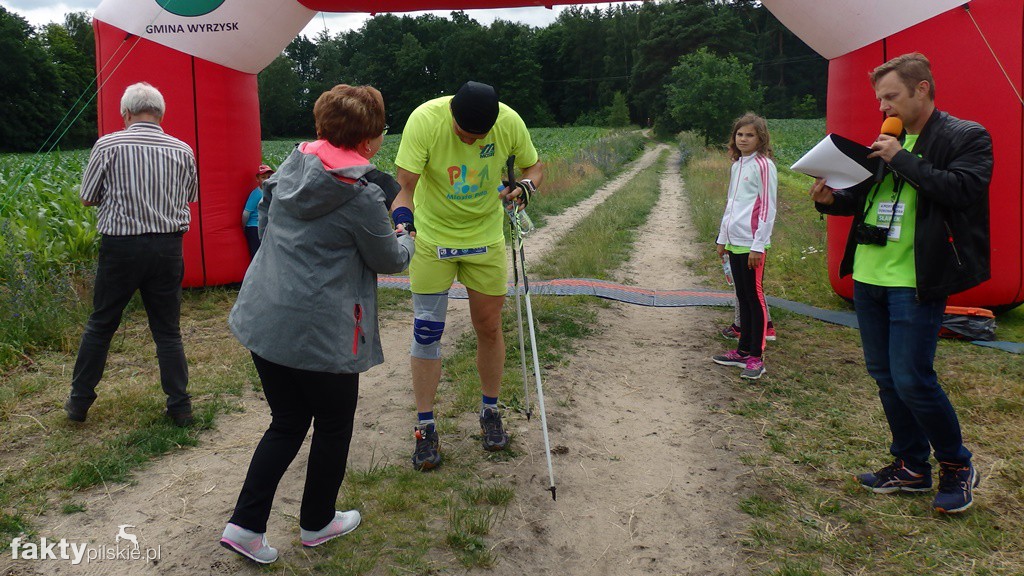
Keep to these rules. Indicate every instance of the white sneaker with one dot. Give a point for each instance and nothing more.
(252, 545)
(343, 523)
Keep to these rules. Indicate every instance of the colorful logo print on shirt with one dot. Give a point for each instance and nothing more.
(467, 182)
(487, 150)
(190, 7)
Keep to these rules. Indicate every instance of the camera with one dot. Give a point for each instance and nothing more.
(868, 234)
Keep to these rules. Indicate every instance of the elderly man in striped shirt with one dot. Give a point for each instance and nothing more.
(141, 181)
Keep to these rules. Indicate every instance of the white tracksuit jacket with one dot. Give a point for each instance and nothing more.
(750, 210)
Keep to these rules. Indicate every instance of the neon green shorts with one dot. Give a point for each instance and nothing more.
(434, 268)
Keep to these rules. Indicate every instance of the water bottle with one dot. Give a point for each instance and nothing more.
(525, 222)
(522, 218)
(727, 268)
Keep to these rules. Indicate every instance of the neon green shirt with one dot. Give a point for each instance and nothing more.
(891, 265)
(742, 249)
(456, 199)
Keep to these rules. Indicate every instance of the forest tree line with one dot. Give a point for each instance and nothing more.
(673, 65)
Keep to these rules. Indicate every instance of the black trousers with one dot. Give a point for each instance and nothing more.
(153, 265)
(252, 238)
(753, 306)
(298, 398)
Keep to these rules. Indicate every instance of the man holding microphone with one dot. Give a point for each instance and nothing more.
(920, 233)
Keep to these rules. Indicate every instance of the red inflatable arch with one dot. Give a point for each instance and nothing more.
(204, 55)
(969, 84)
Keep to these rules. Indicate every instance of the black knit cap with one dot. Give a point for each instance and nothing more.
(475, 107)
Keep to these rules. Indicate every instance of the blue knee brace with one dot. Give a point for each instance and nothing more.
(429, 311)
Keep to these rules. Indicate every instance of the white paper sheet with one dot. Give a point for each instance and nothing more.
(836, 166)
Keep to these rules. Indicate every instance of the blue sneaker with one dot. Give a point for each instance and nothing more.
(896, 477)
(956, 487)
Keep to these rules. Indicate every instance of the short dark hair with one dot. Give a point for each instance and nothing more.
(912, 68)
(346, 115)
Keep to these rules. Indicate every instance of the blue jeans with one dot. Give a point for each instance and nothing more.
(899, 335)
(153, 265)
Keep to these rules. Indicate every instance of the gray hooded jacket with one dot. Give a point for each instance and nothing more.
(309, 298)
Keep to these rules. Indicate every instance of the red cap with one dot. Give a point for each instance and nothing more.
(264, 169)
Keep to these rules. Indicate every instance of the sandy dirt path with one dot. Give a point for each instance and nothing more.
(651, 479)
(648, 485)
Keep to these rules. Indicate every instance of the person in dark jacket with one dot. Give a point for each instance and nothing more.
(307, 311)
(918, 235)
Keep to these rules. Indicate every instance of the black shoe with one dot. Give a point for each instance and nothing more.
(75, 413)
(494, 436)
(182, 419)
(896, 477)
(428, 448)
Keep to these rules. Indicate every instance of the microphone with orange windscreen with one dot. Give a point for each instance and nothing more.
(892, 126)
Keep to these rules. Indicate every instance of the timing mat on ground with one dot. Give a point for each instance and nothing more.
(667, 299)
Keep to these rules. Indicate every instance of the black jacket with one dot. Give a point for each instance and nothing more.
(951, 176)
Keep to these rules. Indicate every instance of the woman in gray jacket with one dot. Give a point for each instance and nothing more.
(307, 312)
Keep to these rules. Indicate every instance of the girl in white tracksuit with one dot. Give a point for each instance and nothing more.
(745, 234)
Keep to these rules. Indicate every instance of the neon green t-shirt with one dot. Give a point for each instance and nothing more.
(743, 249)
(891, 265)
(456, 199)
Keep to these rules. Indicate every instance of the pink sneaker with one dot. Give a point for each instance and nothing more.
(769, 334)
(343, 523)
(252, 545)
(754, 368)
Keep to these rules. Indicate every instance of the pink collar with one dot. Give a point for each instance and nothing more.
(332, 156)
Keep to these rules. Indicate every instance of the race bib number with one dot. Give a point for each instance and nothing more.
(885, 218)
(446, 253)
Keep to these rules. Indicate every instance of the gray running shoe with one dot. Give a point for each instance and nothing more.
(494, 436)
(731, 358)
(428, 448)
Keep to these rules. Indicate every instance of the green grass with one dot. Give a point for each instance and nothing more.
(603, 242)
(791, 138)
(50, 459)
(820, 421)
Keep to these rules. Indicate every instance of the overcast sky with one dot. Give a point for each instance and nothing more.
(39, 12)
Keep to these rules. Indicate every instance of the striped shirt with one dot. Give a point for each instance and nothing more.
(142, 181)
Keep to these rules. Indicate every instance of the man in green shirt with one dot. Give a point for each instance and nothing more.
(449, 167)
(919, 234)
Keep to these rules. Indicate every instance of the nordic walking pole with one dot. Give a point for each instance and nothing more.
(533, 347)
(516, 236)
